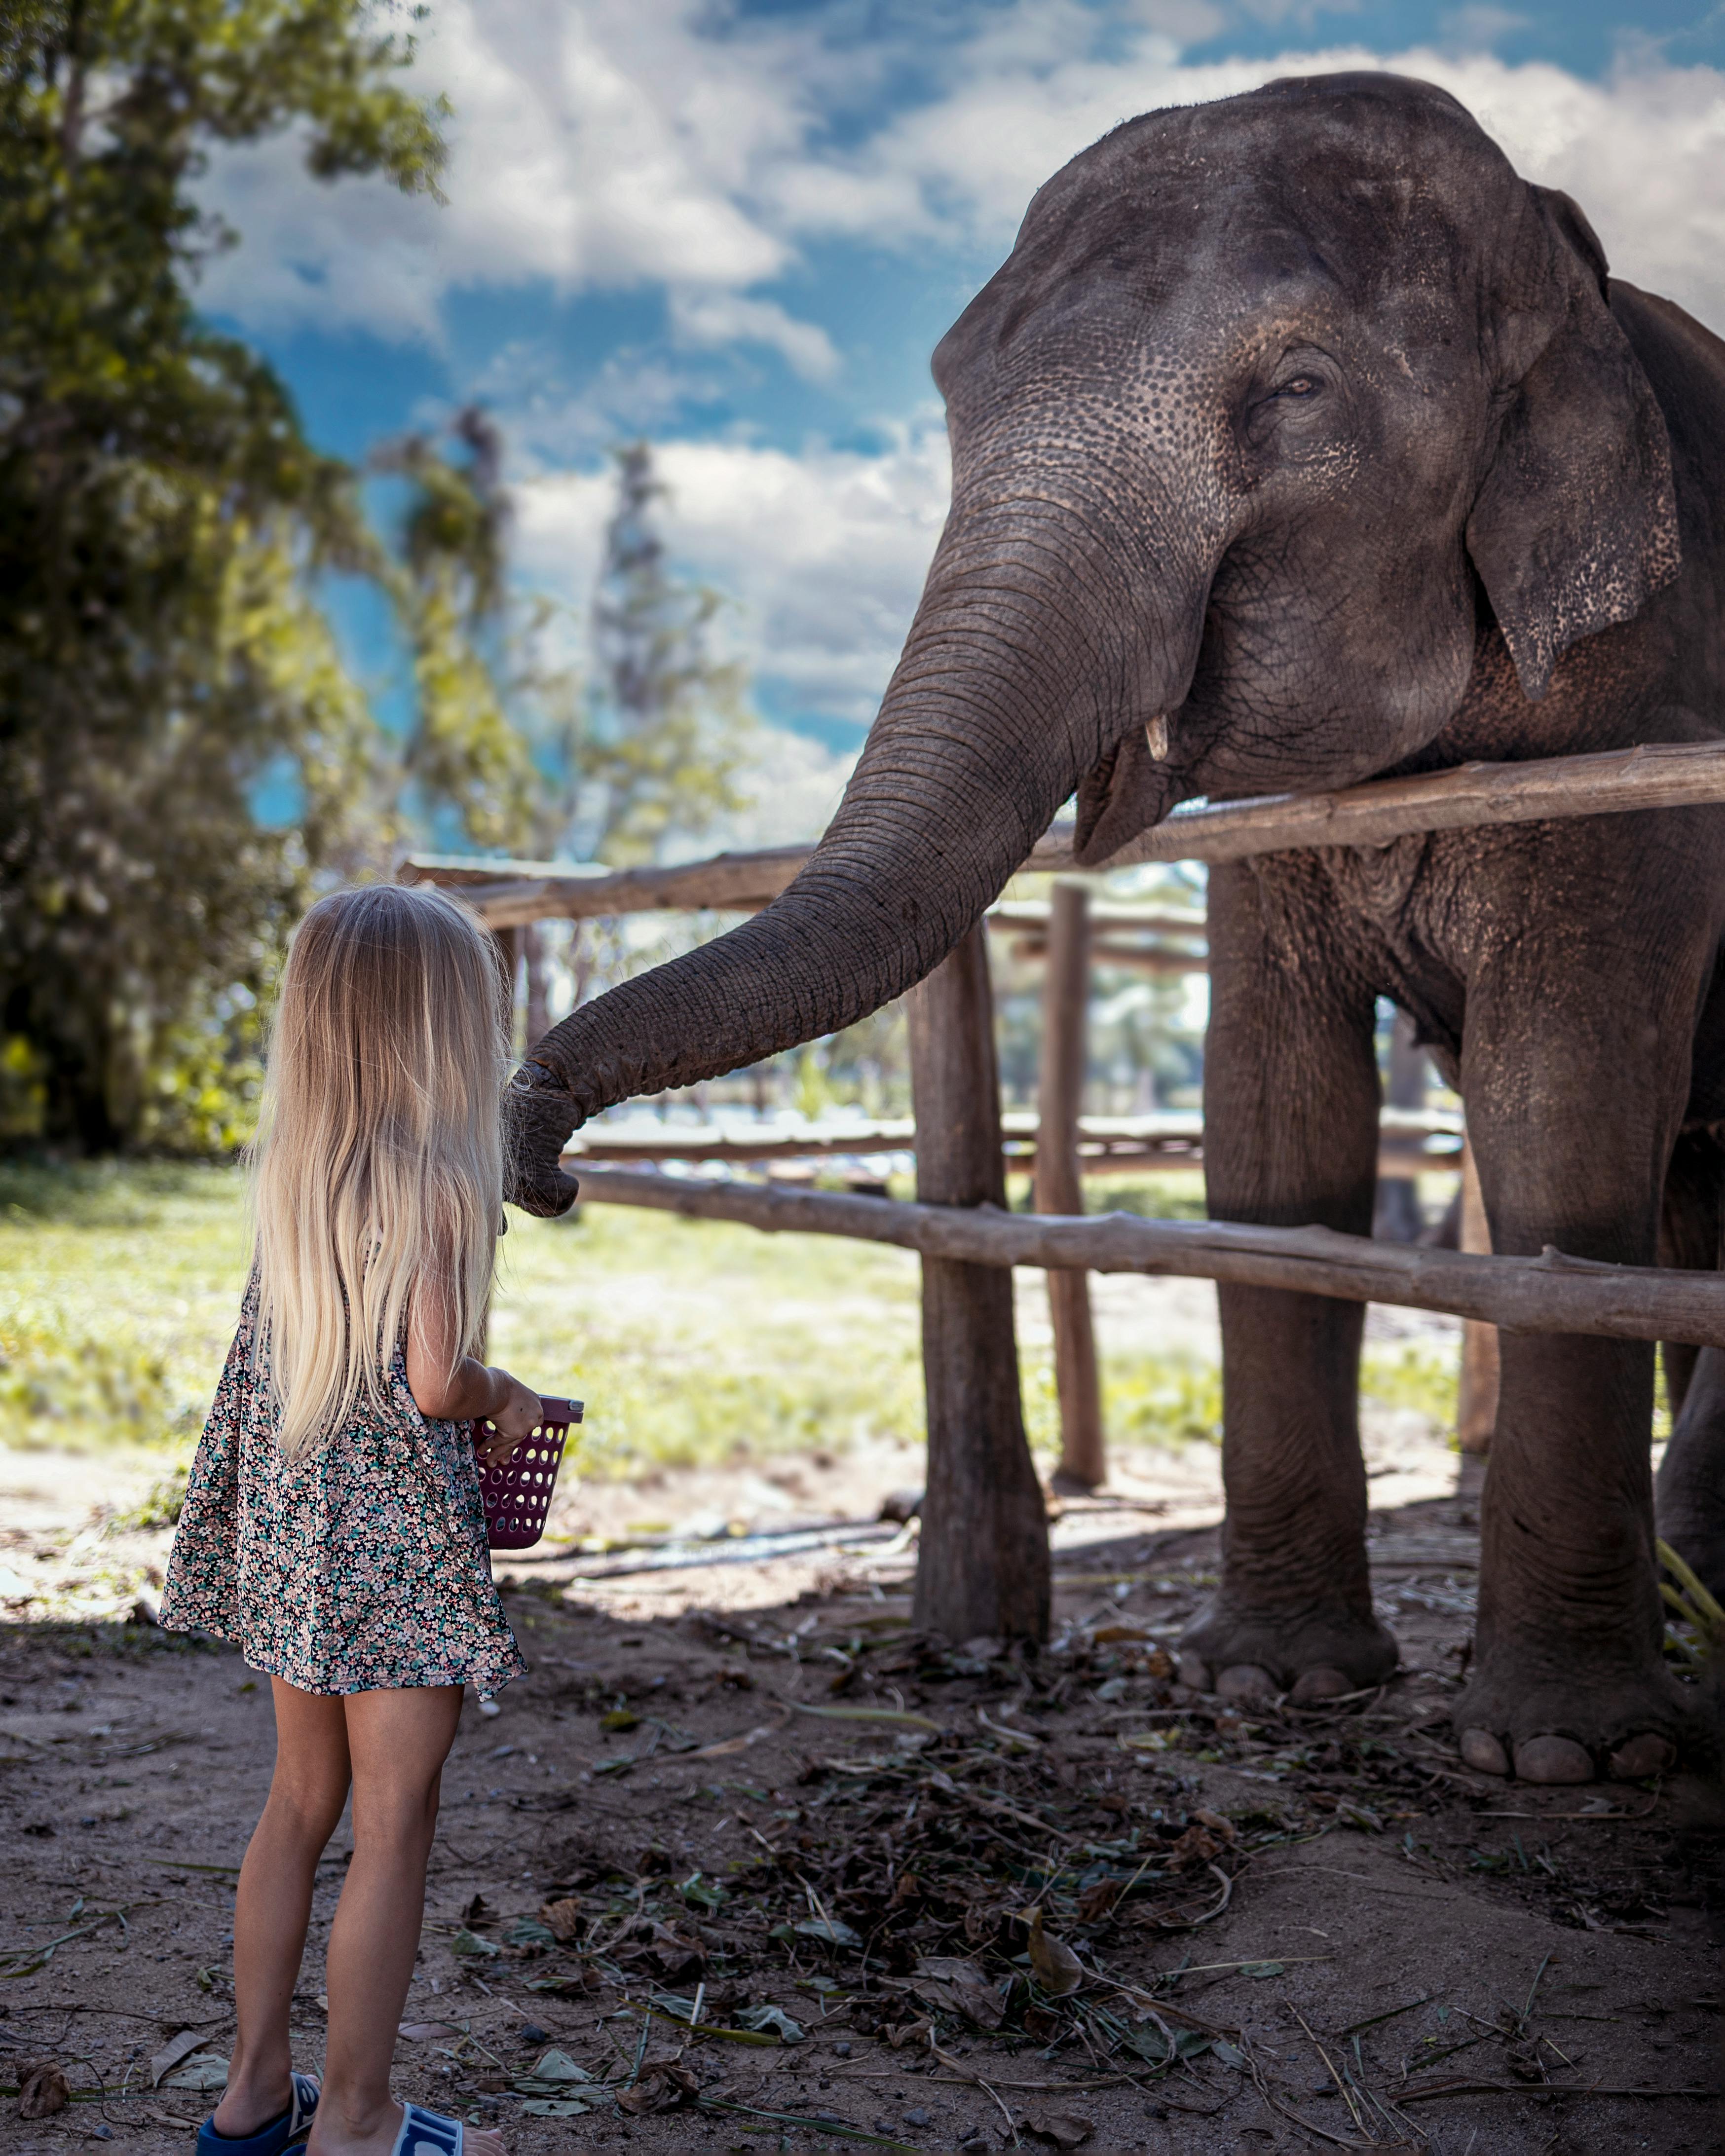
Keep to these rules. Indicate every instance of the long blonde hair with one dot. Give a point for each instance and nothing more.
(379, 1162)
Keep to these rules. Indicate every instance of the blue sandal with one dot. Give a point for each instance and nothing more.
(426, 2134)
(281, 2134)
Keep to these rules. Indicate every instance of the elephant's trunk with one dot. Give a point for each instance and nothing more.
(1017, 679)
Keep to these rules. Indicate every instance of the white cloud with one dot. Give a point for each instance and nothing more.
(1642, 150)
(618, 143)
(604, 143)
(825, 553)
(791, 785)
(720, 318)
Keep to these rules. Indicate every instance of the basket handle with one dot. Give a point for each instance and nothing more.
(558, 1413)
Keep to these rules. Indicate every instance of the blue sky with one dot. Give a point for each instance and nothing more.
(739, 230)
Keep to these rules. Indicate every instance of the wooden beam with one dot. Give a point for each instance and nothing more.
(1065, 1012)
(579, 891)
(1107, 1144)
(1659, 775)
(1552, 1293)
(1402, 1136)
(1095, 1157)
(1032, 915)
(983, 1567)
(1133, 957)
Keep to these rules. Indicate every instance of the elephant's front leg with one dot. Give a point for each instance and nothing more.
(1572, 1122)
(1291, 1138)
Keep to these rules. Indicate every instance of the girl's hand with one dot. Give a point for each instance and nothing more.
(517, 1415)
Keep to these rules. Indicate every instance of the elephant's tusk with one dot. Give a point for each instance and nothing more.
(1156, 733)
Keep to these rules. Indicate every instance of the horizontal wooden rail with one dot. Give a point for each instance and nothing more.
(508, 894)
(1110, 1157)
(1659, 775)
(1548, 1294)
(1031, 915)
(1171, 1140)
(1111, 951)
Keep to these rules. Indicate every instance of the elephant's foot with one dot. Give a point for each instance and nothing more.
(1312, 1655)
(1551, 1723)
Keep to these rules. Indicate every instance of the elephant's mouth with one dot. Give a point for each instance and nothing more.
(1129, 790)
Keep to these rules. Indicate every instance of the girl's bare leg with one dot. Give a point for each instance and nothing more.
(273, 1905)
(398, 1741)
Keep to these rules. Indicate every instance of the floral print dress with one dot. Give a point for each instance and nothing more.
(361, 1566)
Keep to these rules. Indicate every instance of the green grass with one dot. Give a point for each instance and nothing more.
(118, 1289)
(1415, 1378)
(691, 1342)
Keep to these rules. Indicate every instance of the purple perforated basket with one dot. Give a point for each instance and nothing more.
(517, 1492)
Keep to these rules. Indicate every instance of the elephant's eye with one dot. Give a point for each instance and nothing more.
(1302, 385)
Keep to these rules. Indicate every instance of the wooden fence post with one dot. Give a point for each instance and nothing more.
(536, 983)
(1059, 1187)
(509, 946)
(1395, 1216)
(1476, 1405)
(983, 1567)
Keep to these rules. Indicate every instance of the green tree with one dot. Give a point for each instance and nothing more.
(471, 675)
(669, 732)
(164, 525)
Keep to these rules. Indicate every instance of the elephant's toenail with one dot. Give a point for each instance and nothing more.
(1645, 1754)
(1320, 1684)
(1483, 1753)
(1553, 1759)
(1246, 1681)
(1194, 1672)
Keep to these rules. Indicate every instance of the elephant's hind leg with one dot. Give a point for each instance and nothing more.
(1291, 1136)
(1690, 1492)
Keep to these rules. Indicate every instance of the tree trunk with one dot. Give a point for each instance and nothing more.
(985, 1563)
(1476, 1408)
(1066, 1002)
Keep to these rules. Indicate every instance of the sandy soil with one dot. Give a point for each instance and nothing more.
(1358, 1942)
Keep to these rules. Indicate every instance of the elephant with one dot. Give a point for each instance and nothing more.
(1300, 441)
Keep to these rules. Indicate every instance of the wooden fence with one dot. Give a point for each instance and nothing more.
(985, 1565)
(1408, 1143)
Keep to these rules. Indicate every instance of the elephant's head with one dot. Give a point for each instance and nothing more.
(1267, 394)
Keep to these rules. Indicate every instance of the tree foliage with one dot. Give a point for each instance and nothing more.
(669, 731)
(164, 523)
(465, 748)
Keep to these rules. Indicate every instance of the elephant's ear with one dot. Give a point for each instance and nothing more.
(1575, 524)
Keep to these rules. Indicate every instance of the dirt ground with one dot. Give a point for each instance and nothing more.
(996, 1899)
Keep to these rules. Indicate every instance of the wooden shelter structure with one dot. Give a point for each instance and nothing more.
(985, 1563)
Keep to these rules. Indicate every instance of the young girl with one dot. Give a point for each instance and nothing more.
(332, 1524)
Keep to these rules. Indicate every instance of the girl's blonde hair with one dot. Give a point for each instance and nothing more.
(379, 1162)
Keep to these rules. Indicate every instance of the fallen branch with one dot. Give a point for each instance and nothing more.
(1550, 1293)
(948, 1787)
(1284, 2111)
(1539, 2088)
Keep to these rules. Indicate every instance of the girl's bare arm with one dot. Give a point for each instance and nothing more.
(470, 1391)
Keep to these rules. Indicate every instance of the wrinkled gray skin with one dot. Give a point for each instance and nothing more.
(1300, 419)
